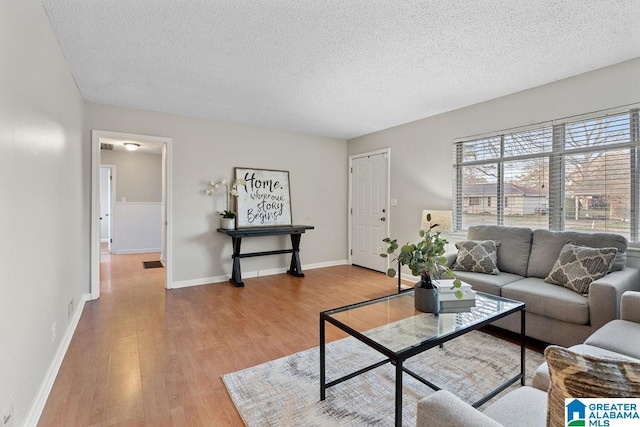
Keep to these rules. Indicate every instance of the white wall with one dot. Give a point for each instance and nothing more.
(139, 175)
(205, 150)
(137, 216)
(422, 151)
(44, 258)
(137, 227)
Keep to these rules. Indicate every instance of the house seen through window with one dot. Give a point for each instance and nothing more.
(567, 175)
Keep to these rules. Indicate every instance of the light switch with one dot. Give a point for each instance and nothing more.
(394, 202)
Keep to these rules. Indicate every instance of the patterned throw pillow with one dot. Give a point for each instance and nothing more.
(581, 375)
(479, 256)
(578, 266)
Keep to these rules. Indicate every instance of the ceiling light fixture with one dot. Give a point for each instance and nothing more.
(131, 146)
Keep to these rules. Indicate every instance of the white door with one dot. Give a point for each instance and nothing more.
(369, 181)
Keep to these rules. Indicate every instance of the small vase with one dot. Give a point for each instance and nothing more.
(227, 223)
(426, 296)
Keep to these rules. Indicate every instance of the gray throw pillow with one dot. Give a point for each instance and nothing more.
(578, 266)
(479, 256)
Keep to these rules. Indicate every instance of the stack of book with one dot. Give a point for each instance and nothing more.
(450, 303)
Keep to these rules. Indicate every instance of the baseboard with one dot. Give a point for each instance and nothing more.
(325, 264)
(251, 274)
(198, 282)
(45, 388)
(137, 251)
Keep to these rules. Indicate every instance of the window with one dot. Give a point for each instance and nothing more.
(579, 175)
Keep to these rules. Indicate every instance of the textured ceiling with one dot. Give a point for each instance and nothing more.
(340, 68)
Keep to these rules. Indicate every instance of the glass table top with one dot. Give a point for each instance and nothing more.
(394, 323)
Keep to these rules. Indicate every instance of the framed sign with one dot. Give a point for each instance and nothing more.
(263, 197)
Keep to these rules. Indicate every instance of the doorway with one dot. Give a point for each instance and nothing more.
(369, 208)
(99, 137)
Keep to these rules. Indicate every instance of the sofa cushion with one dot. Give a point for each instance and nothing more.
(578, 266)
(547, 245)
(487, 283)
(513, 252)
(479, 256)
(577, 375)
(615, 336)
(541, 376)
(549, 300)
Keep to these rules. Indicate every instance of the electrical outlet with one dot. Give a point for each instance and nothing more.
(8, 415)
(70, 309)
(53, 332)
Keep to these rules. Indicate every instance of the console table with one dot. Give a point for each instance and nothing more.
(236, 237)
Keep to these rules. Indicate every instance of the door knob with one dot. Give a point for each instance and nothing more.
(383, 219)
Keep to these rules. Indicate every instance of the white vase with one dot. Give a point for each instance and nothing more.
(227, 223)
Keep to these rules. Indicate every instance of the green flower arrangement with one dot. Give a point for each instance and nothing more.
(424, 258)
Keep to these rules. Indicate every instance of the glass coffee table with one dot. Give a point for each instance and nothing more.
(407, 332)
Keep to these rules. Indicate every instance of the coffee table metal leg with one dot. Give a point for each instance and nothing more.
(522, 345)
(322, 361)
(399, 393)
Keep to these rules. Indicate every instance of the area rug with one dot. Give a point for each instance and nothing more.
(286, 391)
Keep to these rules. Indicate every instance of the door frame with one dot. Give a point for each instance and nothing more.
(96, 136)
(384, 151)
(112, 191)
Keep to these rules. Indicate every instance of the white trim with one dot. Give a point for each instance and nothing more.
(95, 215)
(252, 274)
(95, 202)
(386, 151)
(138, 251)
(112, 189)
(35, 411)
(138, 203)
(325, 264)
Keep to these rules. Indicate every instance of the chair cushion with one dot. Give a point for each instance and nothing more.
(617, 335)
(478, 256)
(578, 375)
(549, 300)
(578, 266)
(524, 406)
(444, 409)
(546, 247)
(513, 252)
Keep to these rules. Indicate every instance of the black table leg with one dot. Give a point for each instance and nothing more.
(322, 361)
(236, 275)
(399, 393)
(522, 345)
(295, 269)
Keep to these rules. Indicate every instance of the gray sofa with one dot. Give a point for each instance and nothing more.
(554, 314)
(527, 406)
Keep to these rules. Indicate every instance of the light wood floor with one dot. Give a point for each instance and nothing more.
(143, 355)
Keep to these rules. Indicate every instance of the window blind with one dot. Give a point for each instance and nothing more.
(572, 175)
